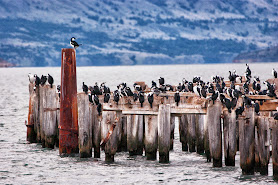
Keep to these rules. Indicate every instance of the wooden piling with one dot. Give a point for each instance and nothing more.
(274, 126)
(247, 141)
(31, 134)
(132, 133)
(68, 133)
(230, 140)
(173, 119)
(123, 144)
(96, 129)
(150, 139)
(183, 125)
(215, 133)
(41, 114)
(206, 139)
(200, 133)
(49, 115)
(140, 144)
(191, 134)
(110, 119)
(84, 126)
(164, 133)
(263, 143)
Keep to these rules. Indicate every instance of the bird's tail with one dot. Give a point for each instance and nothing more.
(177, 103)
(51, 85)
(151, 105)
(141, 104)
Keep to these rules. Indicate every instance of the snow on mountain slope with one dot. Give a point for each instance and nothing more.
(115, 32)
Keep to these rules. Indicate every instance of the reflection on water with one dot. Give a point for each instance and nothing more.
(23, 163)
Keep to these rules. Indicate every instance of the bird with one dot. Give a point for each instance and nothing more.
(177, 97)
(43, 80)
(274, 73)
(150, 99)
(96, 99)
(73, 43)
(214, 96)
(161, 81)
(59, 90)
(106, 97)
(31, 78)
(37, 80)
(248, 71)
(239, 110)
(116, 96)
(99, 109)
(141, 98)
(257, 107)
(247, 101)
(228, 104)
(50, 80)
(135, 97)
(96, 89)
(85, 88)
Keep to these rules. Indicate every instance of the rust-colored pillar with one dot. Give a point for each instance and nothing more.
(68, 133)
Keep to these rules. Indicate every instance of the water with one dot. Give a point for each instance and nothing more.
(24, 163)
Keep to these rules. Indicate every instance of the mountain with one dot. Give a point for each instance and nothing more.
(264, 55)
(129, 32)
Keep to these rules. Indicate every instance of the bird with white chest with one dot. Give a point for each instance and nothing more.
(73, 43)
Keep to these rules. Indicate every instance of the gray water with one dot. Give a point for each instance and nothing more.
(24, 163)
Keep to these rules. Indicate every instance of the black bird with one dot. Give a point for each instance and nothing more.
(37, 81)
(85, 88)
(233, 103)
(177, 98)
(128, 91)
(235, 93)
(214, 96)
(96, 89)
(73, 43)
(106, 97)
(179, 87)
(59, 90)
(161, 81)
(274, 73)
(135, 97)
(257, 107)
(190, 87)
(99, 108)
(90, 98)
(116, 96)
(153, 84)
(231, 77)
(222, 98)
(248, 71)
(104, 88)
(43, 80)
(239, 110)
(50, 80)
(247, 101)
(141, 98)
(96, 99)
(150, 99)
(228, 104)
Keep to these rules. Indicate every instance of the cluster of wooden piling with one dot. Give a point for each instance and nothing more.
(72, 121)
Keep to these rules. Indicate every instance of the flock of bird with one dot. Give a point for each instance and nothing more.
(214, 90)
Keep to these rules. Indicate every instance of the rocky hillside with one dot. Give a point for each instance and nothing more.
(128, 32)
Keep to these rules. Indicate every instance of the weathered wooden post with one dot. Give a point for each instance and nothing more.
(275, 148)
(110, 120)
(140, 144)
(230, 140)
(123, 144)
(247, 141)
(150, 139)
(173, 119)
(206, 139)
(41, 114)
(96, 127)
(68, 129)
(84, 126)
(164, 132)
(31, 134)
(263, 143)
(183, 124)
(200, 133)
(49, 115)
(191, 134)
(132, 133)
(215, 133)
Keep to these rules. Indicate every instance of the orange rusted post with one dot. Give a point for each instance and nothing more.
(68, 128)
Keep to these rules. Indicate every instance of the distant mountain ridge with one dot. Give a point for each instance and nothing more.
(130, 32)
(264, 55)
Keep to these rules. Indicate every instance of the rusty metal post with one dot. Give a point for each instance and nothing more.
(68, 128)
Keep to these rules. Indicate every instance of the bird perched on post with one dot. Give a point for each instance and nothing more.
(150, 99)
(177, 97)
(73, 43)
(274, 73)
(50, 80)
(85, 88)
(31, 78)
